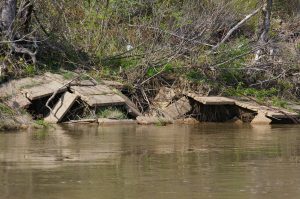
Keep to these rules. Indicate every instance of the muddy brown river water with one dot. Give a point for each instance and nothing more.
(132, 162)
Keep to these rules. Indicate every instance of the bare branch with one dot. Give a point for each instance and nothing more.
(236, 27)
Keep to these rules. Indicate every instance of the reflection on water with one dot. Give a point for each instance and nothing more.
(203, 161)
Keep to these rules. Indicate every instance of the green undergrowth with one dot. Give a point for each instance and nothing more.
(111, 113)
(42, 123)
(269, 96)
(6, 111)
(7, 121)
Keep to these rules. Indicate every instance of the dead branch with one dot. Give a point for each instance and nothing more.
(19, 49)
(237, 26)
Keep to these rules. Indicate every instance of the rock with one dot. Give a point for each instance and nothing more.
(294, 107)
(187, 121)
(164, 97)
(178, 108)
(261, 118)
(144, 120)
(18, 101)
(24, 119)
(105, 121)
(82, 121)
(9, 125)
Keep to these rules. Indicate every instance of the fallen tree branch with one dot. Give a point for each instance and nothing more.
(23, 50)
(193, 40)
(238, 25)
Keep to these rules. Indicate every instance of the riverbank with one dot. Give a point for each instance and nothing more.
(53, 98)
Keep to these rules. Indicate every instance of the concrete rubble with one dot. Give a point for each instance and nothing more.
(61, 96)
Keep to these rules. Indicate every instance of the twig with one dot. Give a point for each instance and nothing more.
(174, 34)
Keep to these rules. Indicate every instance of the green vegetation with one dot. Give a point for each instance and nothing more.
(264, 96)
(6, 111)
(42, 123)
(111, 113)
(148, 44)
(6, 118)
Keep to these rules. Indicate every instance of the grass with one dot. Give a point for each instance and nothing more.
(261, 95)
(68, 75)
(111, 113)
(42, 123)
(6, 111)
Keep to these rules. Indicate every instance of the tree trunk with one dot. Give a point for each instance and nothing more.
(266, 21)
(26, 9)
(263, 34)
(8, 14)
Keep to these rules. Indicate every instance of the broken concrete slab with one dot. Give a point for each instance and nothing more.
(91, 90)
(177, 109)
(103, 100)
(144, 120)
(18, 101)
(99, 95)
(56, 77)
(261, 118)
(130, 106)
(273, 112)
(62, 107)
(212, 100)
(14, 87)
(113, 84)
(44, 90)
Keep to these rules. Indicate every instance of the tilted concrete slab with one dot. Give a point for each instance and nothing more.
(99, 95)
(43, 90)
(92, 90)
(14, 87)
(273, 112)
(130, 106)
(113, 84)
(212, 100)
(56, 77)
(62, 107)
(103, 100)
